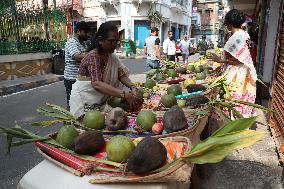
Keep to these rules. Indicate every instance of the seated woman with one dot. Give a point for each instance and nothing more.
(240, 72)
(101, 75)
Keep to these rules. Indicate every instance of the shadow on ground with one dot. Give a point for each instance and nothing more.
(236, 174)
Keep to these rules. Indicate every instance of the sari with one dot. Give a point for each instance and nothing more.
(242, 78)
(83, 95)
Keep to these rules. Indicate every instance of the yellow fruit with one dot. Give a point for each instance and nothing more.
(189, 82)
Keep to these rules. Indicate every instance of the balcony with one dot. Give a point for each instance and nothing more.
(177, 5)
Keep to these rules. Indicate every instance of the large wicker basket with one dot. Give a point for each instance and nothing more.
(180, 172)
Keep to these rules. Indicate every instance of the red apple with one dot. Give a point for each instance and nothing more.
(158, 128)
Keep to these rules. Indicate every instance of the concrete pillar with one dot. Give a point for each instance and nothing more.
(126, 21)
(272, 30)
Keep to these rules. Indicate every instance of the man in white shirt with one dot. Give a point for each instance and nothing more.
(185, 48)
(169, 47)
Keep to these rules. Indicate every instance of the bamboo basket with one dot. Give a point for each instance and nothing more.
(178, 173)
(181, 172)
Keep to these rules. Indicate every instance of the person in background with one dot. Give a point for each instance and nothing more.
(101, 75)
(169, 47)
(210, 44)
(152, 49)
(178, 50)
(202, 45)
(240, 73)
(75, 51)
(185, 48)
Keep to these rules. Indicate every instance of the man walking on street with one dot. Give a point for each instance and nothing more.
(169, 47)
(152, 49)
(185, 48)
(75, 49)
(202, 46)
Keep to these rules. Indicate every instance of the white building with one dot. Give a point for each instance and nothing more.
(131, 16)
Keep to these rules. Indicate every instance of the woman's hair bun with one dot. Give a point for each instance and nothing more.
(235, 18)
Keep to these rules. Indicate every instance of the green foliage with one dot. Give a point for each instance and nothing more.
(215, 148)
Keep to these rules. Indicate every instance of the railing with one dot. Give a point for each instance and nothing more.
(28, 27)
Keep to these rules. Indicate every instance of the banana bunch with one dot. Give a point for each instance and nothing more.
(139, 84)
(218, 51)
(161, 87)
(170, 64)
(200, 62)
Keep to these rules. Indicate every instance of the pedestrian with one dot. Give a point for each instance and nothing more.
(240, 73)
(185, 48)
(102, 75)
(169, 47)
(75, 51)
(178, 50)
(202, 45)
(152, 49)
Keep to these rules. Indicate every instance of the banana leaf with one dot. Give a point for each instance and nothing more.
(235, 126)
(216, 148)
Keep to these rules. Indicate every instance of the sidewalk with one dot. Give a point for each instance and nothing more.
(12, 86)
(256, 167)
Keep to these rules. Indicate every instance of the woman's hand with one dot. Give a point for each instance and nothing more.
(214, 57)
(133, 100)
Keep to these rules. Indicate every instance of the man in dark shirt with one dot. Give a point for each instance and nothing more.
(152, 49)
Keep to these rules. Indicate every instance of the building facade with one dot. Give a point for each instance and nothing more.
(206, 19)
(133, 17)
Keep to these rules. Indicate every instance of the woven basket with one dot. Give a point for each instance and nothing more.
(181, 172)
(178, 173)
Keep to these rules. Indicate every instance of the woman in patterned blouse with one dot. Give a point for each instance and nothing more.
(104, 71)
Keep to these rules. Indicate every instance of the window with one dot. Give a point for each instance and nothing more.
(207, 13)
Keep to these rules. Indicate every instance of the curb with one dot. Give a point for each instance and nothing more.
(132, 57)
(4, 90)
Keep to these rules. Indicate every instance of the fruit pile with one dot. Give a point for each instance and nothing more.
(141, 155)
